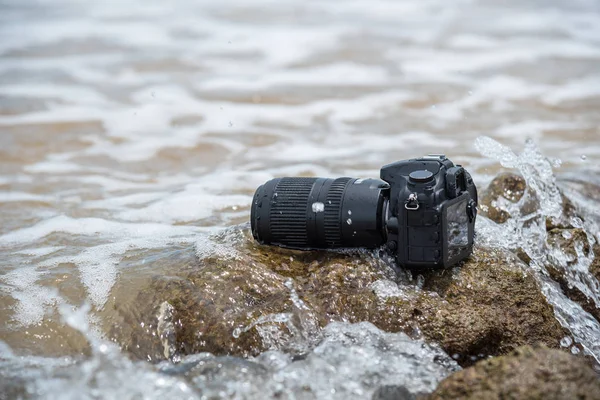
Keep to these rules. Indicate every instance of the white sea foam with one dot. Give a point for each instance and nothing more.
(79, 94)
(184, 207)
(581, 89)
(330, 75)
(32, 299)
(40, 251)
(90, 227)
(9, 197)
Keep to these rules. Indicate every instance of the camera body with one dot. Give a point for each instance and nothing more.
(432, 211)
(423, 210)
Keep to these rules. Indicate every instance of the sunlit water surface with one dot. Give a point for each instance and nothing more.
(129, 131)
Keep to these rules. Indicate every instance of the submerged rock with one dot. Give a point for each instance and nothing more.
(352, 361)
(526, 373)
(259, 298)
(390, 392)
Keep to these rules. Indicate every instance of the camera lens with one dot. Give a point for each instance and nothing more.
(318, 213)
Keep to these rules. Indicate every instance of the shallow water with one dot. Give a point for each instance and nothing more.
(130, 131)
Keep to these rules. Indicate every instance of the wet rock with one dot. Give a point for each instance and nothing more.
(506, 188)
(572, 252)
(526, 373)
(259, 297)
(595, 267)
(489, 306)
(205, 306)
(14, 388)
(390, 392)
(584, 188)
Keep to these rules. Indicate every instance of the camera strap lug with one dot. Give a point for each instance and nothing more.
(411, 203)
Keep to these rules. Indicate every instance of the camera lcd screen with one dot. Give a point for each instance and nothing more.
(457, 228)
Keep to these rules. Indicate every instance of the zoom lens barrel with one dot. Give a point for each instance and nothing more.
(319, 213)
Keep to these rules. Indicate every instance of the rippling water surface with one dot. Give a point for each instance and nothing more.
(131, 130)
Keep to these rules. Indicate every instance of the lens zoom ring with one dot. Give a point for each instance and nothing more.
(288, 211)
(332, 218)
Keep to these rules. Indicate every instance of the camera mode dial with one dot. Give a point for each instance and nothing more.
(420, 176)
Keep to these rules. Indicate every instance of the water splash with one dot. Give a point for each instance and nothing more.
(385, 288)
(326, 370)
(527, 231)
(301, 332)
(535, 168)
(105, 373)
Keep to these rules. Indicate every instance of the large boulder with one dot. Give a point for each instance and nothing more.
(252, 298)
(240, 298)
(526, 373)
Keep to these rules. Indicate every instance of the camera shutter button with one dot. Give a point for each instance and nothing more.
(420, 176)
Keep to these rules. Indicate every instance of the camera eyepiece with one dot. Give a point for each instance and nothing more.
(320, 213)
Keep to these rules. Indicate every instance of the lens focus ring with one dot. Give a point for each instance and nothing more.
(333, 206)
(287, 215)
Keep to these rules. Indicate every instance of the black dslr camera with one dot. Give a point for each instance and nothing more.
(423, 209)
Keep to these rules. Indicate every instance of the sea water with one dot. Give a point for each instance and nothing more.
(130, 132)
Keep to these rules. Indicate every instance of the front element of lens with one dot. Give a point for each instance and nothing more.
(317, 213)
